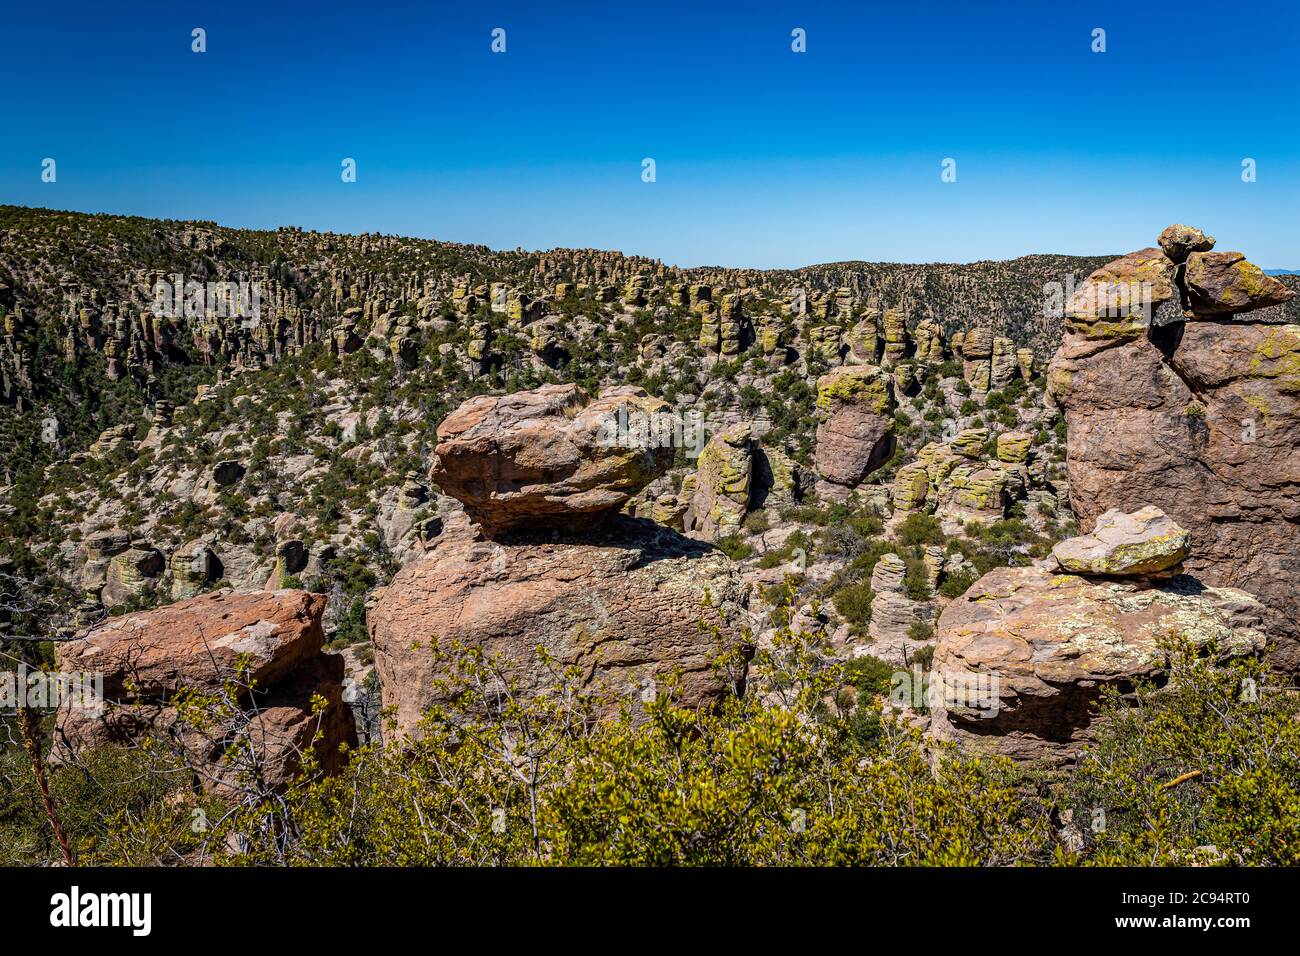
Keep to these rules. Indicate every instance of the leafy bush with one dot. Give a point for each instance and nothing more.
(735, 547)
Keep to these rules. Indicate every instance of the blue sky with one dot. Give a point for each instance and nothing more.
(764, 157)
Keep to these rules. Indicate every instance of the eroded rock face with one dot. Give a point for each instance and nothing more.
(1201, 420)
(855, 434)
(149, 657)
(625, 604)
(1145, 542)
(1024, 654)
(551, 456)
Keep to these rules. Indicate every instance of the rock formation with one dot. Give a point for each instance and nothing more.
(723, 484)
(1146, 542)
(198, 645)
(625, 600)
(1022, 656)
(855, 431)
(550, 456)
(1199, 416)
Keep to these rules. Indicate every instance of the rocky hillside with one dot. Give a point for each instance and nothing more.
(468, 486)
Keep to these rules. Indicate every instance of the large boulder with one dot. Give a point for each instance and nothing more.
(1022, 657)
(855, 434)
(1179, 241)
(1224, 283)
(1121, 299)
(628, 603)
(265, 646)
(551, 456)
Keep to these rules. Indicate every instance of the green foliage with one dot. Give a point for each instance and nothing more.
(853, 602)
(920, 528)
(1205, 769)
(735, 547)
(499, 779)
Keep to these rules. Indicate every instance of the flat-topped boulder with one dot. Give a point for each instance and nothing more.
(1145, 542)
(198, 642)
(263, 645)
(1022, 657)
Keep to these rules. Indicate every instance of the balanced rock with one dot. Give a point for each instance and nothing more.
(1022, 657)
(1179, 241)
(551, 456)
(1145, 542)
(1120, 300)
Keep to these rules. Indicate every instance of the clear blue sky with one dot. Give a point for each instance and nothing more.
(764, 157)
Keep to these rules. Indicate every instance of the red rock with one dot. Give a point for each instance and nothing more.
(1021, 658)
(1201, 420)
(149, 657)
(625, 606)
(1224, 283)
(548, 456)
(194, 643)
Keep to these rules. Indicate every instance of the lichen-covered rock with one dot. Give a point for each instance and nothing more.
(1002, 363)
(911, 484)
(1223, 283)
(550, 455)
(723, 483)
(977, 358)
(928, 339)
(970, 442)
(132, 573)
(972, 493)
(824, 341)
(1021, 658)
(1145, 542)
(624, 603)
(1025, 359)
(888, 573)
(1013, 447)
(1179, 241)
(777, 479)
(1119, 301)
(864, 338)
(894, 324)
(855, 434)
